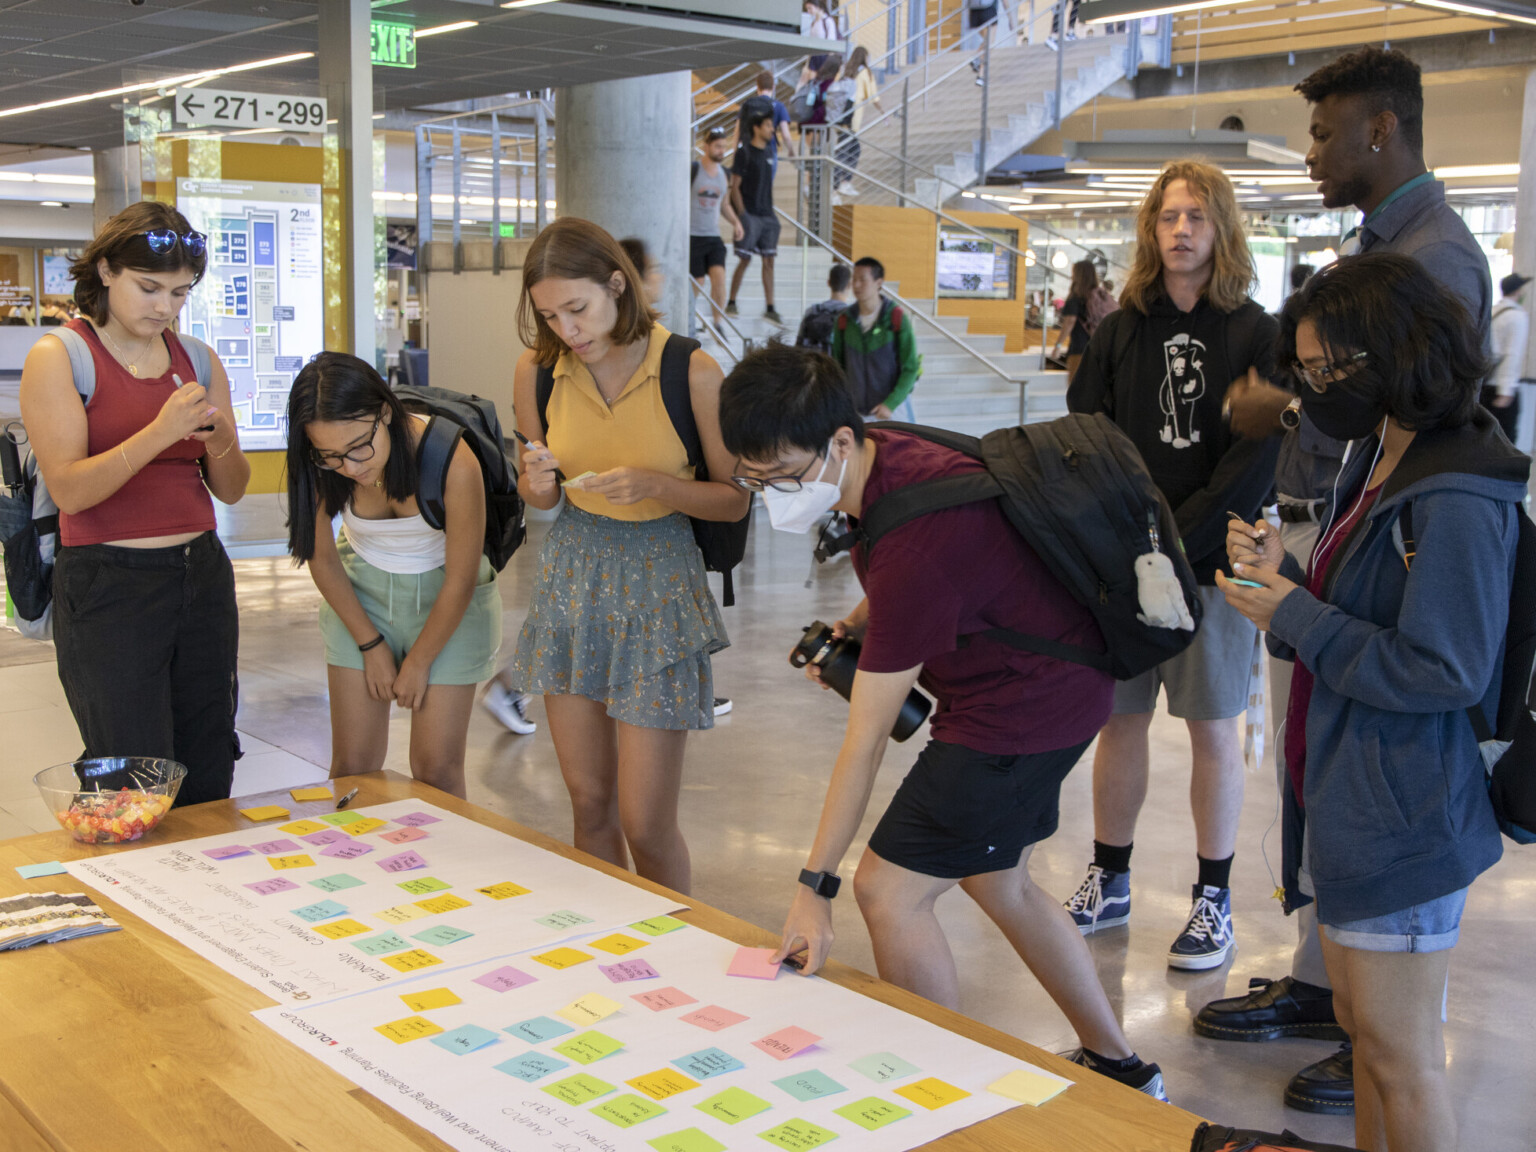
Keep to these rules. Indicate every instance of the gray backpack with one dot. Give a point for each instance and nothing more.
(29, 518)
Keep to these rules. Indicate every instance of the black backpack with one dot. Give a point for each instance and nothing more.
(1220, 1138)
(473, 419)
(1078, 493)
(1509, 746)
(723, 543)
(818, 326)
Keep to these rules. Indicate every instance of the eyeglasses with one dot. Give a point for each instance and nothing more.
(162, 240)
(777, 483)
(1319, 378)
(359, 454)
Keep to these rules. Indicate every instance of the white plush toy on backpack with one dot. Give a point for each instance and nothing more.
(1160, 594)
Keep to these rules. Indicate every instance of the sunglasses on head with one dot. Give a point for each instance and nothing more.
(162, 240)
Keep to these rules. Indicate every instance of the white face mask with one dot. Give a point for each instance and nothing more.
(799, 511)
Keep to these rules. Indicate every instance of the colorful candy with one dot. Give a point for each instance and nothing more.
(113, 817)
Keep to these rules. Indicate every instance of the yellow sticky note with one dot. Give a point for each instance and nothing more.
(281, 862)
(931, 1093)
(400, 913)
(361, 827)
(503, 891)
(412, 960)
(303, 827)
(618, 944)
(446, 903)
(303, 794)
(411, 1028)
(576, 481)
(589, 1009)
(266, 812)
(341, 929)
(1027, 1087)
(562, 958)
(435, 998)
(660, 1084)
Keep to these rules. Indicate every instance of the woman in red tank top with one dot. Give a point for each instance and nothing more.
(144, 607)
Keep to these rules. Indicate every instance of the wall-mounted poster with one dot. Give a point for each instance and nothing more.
(972, 267)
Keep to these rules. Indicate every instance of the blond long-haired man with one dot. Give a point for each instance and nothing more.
(1160, 368)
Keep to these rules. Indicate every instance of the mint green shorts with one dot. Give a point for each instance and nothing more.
(398, 605)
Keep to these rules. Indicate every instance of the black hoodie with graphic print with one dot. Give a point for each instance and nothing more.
(1161, 376)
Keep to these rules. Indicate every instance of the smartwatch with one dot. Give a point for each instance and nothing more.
(1290, 415)
(822, 883)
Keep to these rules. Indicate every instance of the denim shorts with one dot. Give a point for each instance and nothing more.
(1432, 926)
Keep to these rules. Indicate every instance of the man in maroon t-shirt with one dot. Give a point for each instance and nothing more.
(1009, 724)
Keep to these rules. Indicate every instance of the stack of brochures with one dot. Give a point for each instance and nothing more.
(49, 917)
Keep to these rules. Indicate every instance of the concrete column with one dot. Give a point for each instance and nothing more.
(621, 160)
(346, 81)
(118, 182)
(1525, 208)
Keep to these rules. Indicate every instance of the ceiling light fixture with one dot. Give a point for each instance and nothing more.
(1477, 170)
(1475, 10)
(441, 28)
(525, 3)
(166, 82)
(1104, 11)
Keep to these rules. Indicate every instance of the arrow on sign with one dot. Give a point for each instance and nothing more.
(188, 107)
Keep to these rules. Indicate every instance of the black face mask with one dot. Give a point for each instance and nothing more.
(1340, 413)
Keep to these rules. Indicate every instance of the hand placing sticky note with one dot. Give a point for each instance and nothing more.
(786, 1042)
(931, 1093)
(1029, 1086)
(431, 998)
(577, 481)
(304, 795)
(755, 963)
(589, 1009)
(265, 812)
(35, 871)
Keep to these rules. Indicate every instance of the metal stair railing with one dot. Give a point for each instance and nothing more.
(721, 317)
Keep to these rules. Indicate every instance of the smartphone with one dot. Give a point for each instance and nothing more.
(1243, 583)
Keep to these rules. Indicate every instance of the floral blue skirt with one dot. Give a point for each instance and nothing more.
(623, 614)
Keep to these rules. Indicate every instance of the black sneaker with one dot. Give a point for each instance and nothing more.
(730, 308)
(771, 315)
(1327, 1086)
(1145, 1078)
(1272, 1009)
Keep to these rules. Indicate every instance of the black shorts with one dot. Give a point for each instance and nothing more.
(961, 812)
(704, 253)
(760, 236)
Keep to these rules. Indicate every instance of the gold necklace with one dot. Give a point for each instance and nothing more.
(133, 365)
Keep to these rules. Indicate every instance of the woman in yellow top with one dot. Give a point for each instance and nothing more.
(862, 91)
(622, 623)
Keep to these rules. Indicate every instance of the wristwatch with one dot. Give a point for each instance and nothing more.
(822, 883)
(1290, 415)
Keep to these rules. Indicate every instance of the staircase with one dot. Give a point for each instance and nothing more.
(956, 390)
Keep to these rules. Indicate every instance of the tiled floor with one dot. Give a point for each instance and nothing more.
(752, 795)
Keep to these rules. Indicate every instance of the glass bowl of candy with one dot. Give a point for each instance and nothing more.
(110, 799)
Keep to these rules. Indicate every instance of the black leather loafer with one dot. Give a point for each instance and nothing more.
(1327, 1086)
(1270, 1010)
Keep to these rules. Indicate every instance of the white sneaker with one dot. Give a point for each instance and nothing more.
(722, 705)
(511, 708)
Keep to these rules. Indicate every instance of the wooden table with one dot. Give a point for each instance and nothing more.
(133, 1042)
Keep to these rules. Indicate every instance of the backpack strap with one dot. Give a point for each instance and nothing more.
(677, 397)
(82, 364)
(842, 320)
(543, 389)
(433, 456)
(200, 355)
(897, 316)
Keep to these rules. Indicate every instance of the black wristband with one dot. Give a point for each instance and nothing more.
(374, 643)
(824, 884)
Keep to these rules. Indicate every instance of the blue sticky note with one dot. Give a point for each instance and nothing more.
(708, 1062)
(336, 883)
(465, 1038)
(531, 1067)
(379, 945)
(325, 910)
(809, 1085)
(538, 1029)
(442, 934)
(33, 871)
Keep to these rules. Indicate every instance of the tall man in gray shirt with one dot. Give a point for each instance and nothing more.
(1367, 151)
(709, 198)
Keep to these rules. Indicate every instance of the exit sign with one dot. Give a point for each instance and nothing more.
(393, 45)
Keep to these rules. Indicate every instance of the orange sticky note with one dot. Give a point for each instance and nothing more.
(341, 929)
(433, 998)
(503, 891)
(303, 827)
(931, 1093)
(364, 826)
(410, 1028)
(266, 812)
(445, 903)
(303, 794)
(562, 958)
(662, 1083)
(618, 944)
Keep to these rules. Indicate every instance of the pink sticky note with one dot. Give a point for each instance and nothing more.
(276, 884)
(786, 1042)
(713, 1018)
(329, 836)
(753, 962)
(404, 862)
(348, 851)
(277, 847)
(660, 999)
(504, 979)
(416, 819)
(628, 970)
(403, 835)
(227, 852)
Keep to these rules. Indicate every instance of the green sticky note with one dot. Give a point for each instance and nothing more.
(586, 1047)
(883, 1066)
(442, 934)
(381, 945)
(688, 1140)
(578, 1089)
(797, 1135)
(628, 1110)
(424, 885)
(658, 925)
(872, 1112)
(809, 1085)
(336, 883)
(338, 819)
(733, 1105)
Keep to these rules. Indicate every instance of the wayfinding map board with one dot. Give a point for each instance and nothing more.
(261, 303)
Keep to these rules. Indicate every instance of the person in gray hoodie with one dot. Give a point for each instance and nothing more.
(1397, 629)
